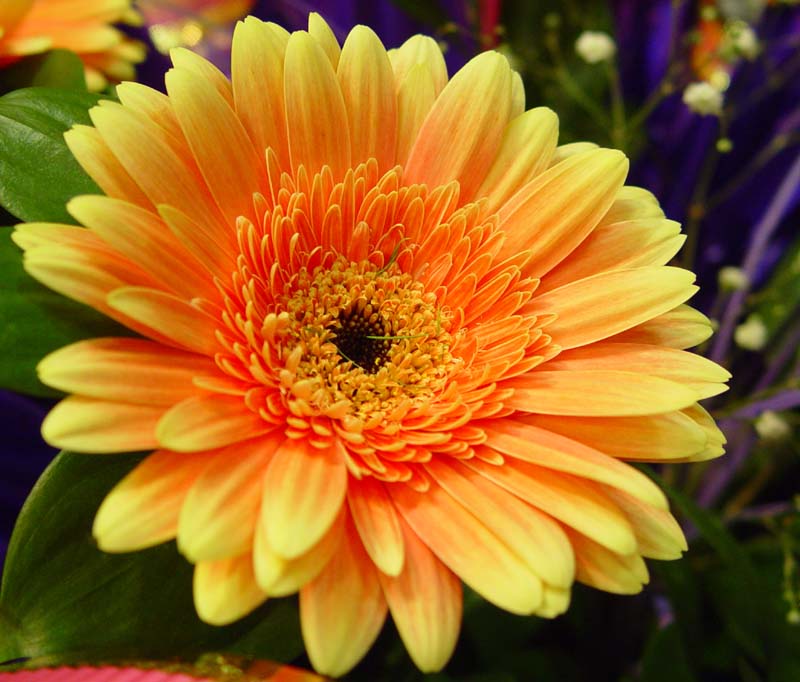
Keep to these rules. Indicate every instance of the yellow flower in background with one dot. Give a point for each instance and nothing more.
(393, 338)
(84, 26)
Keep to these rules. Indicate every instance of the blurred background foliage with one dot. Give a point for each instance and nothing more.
(724, 159)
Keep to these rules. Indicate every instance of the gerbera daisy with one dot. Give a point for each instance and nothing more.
(392, 338)
(84, 26)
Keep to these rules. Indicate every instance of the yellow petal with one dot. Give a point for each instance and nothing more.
(378, 524)
(142, 509)
(232, 169)
(219, 513)
(365, 76)
(315, 110)
(100, 426)
(703, 376)
(425, 601)
(568, 499)
(682, 327)
(657, 437)
(125, 370)
(226, 590)
(343, 609)
(415, 97)
(319, 30)
(532, 535)
(606, 570)
(304, 489)
(188, 60)
(423, 51)
(279, 576)
(555, 212)
(596, 393)
(142, 237)
(97, 159)
(208, 421)
(528, 144)
(597, 307)
(454, 535)
(462, 133)
(257, 73)
(546, 449)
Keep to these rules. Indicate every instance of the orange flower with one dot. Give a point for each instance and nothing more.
(408, 345)
(84, 26)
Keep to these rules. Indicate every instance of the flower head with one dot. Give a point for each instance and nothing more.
(595, 46)
(32, 26)
(393, 338)
(703, 98)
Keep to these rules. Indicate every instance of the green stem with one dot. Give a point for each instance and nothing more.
(618, 129)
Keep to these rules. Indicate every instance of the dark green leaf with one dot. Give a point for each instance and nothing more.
(35, 320)
(54, 69)
(665, 658)
(38, 173)
(62, 599)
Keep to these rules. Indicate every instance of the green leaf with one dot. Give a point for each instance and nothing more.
(38, 173)
(64, 600)
(665, 658)
(35, 320)
(54, 69)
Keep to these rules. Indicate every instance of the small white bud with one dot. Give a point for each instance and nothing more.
(595, 46)
(703, 98)
(772, 427)
(731, 278)
(751, 334)
(744, 40)
(719, 80)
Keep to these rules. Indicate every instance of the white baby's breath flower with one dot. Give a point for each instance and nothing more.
(772, 427)
(703, 98)
(595, 46)
(731, 278)
(751, 334)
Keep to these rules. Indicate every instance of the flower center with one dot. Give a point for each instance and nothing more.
(362, 336)
(361, 341)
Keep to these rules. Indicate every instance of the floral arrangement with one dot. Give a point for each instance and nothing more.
(453, 340)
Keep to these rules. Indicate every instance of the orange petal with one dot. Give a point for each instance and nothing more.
(97, 159)
(99, 426)
(183, 58)
(597, 307)
(462, 133)
(423, 51)
(304, 489)
(533, 536)
(278, 576)
(606, 570)
(161, 165)
(555, 212)
(466, 546)
(378, 524)
(657, 437)
(528, 144)
(219, 513)
(208, 420)
(658, 534)
(226, 590)
(425, 601)
(142, 237)
(681, 327)
(142, 509)
(232, 169)
(125, 370)
(365, 76)
(574, 502)
(415, 97)
(703, 376)
(315, 110)
(257, 74)
(618, 246)
(549, 450)
(185, 324)
(343, 609)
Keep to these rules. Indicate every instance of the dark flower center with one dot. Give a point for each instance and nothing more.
(362, 336)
